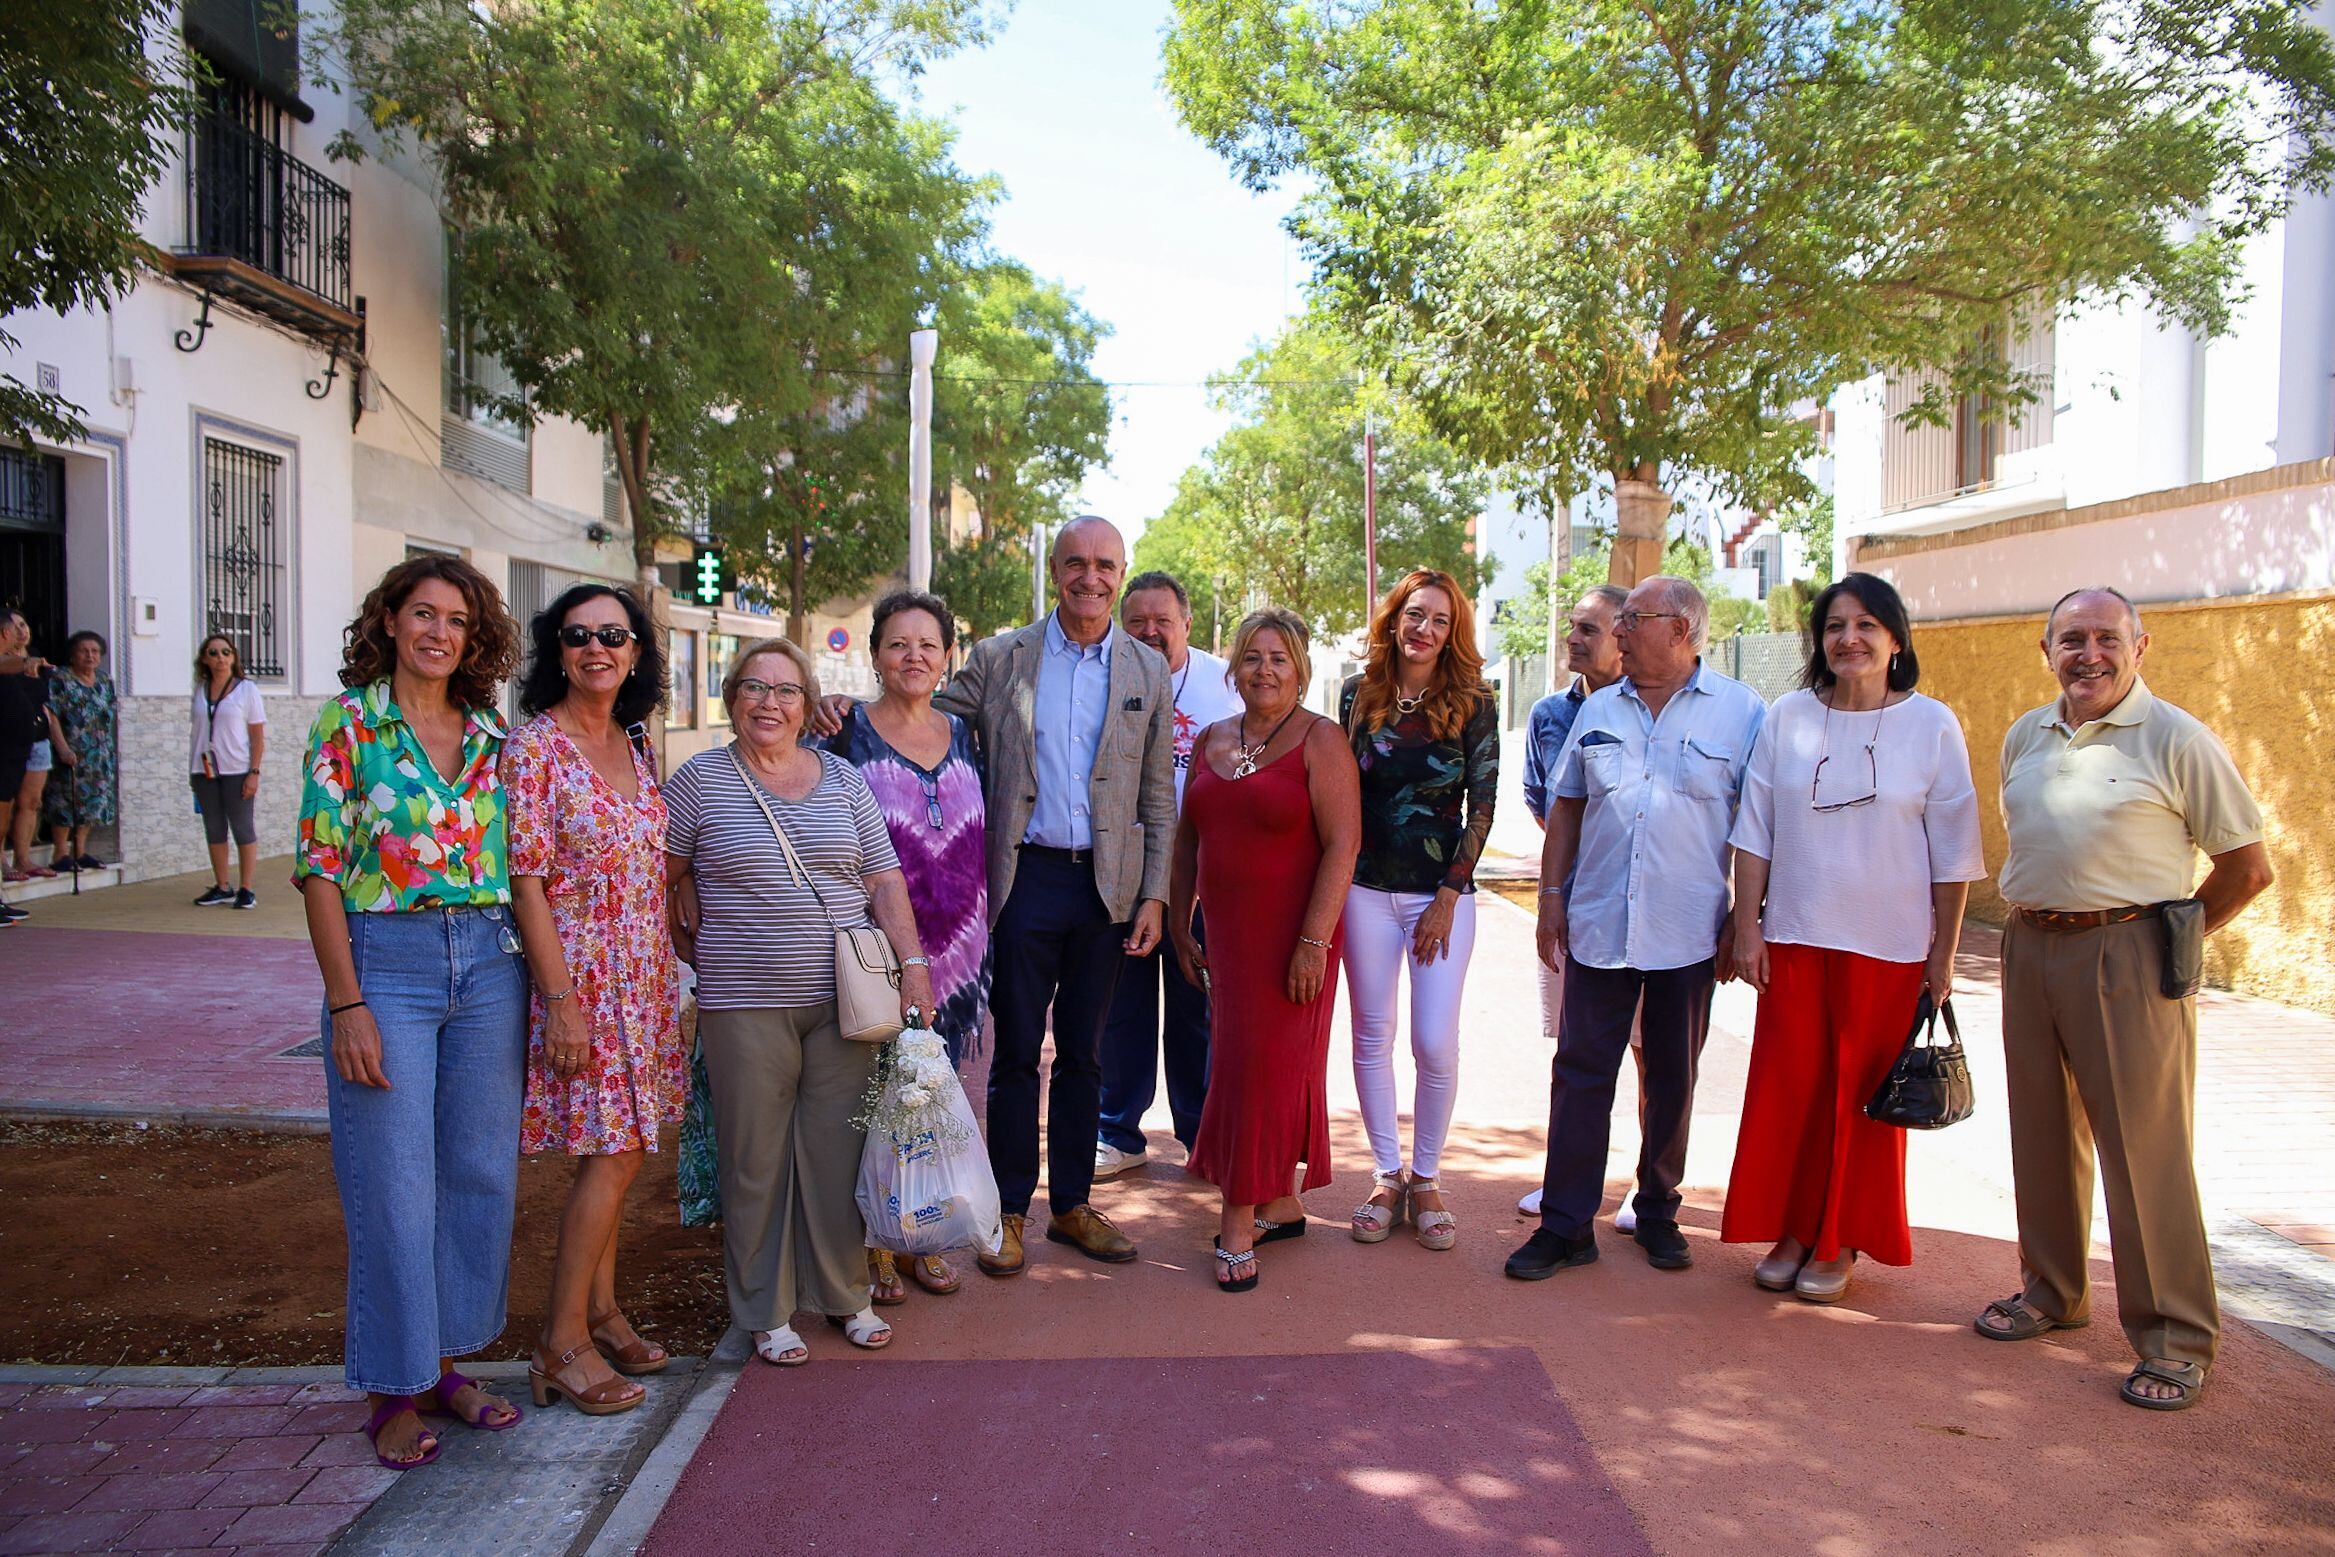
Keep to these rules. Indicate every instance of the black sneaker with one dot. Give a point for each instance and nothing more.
(11, 914)
(1545, 1253)
(214, 897)
(1664, 1244)
(246, 898)
(91, 862)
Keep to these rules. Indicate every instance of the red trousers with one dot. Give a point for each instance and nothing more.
(1808, 1164)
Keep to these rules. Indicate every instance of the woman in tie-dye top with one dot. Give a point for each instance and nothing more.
(920, 765)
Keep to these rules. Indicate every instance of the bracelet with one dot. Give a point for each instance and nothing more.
(1310, 941)
(1552, 892)
(351, 1006)
(563, 994)
(916, 962)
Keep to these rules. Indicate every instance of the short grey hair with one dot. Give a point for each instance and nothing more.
(1680, 596)
(2130, 609)
(1614, 596)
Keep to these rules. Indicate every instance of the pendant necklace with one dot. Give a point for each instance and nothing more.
(1409, 705)
(1244, 758)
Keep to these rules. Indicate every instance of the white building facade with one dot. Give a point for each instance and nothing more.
(280, 411)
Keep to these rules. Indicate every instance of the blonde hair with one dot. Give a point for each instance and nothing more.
(1293, 632)
(1458, 682)
(752, 652)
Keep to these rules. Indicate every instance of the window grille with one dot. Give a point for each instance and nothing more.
(243, 553)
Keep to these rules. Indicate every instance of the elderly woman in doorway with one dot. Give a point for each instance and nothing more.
(1426, 732)
(1266, 848)
(1856, 841)
(786, 1083)
(604, 1061)
(400, 861)
(919, 764)
(83, 704)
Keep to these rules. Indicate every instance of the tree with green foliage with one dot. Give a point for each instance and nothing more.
(678, 219)
(1617, 240)
(88, 122)
(1524, 617)
(1273, 512)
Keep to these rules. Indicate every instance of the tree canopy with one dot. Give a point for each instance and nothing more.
(87, 118)
(1619, 239)
(1273, 512)
(677, 218)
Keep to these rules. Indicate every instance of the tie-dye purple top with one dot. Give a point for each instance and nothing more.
(935, 819)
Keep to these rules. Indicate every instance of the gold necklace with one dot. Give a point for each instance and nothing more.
(1409, 705)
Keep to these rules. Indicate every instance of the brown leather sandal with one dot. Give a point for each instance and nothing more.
(631, 1358)
(933, 1274)
(606, 1398)
(885, 1288)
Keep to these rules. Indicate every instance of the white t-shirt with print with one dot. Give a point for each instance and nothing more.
(1204, 695)
(226, 734)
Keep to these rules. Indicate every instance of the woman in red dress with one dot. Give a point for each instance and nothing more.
(1272, 819)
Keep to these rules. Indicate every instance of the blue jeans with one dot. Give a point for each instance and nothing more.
(429, 1166)
(1133, 1038)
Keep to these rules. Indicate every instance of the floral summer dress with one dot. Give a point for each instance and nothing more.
(602, 860)
(87, 713)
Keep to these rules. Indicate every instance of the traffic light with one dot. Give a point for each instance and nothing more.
(709, 576)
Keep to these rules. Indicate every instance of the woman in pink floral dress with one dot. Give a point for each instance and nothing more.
(604, 1061)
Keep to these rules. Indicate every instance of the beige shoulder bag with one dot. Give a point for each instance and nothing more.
(867, 969)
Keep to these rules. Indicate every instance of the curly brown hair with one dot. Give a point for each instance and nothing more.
(490, 648)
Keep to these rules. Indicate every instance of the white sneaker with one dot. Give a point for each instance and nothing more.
(1529, 1205)
(1626, 1219)
(1110, 1162)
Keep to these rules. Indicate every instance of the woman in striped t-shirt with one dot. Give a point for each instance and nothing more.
(785, 1081)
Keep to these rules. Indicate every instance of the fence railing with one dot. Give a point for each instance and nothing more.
(250, 200)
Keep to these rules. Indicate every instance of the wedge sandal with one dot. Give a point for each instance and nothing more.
(1374, 1223)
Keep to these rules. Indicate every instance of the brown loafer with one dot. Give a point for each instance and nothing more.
(1091, 1234)
(1009, 1259)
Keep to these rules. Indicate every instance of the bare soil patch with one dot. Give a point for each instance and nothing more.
(224, 1248)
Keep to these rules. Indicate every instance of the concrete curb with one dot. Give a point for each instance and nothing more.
(627, 1524)
(265, 1120)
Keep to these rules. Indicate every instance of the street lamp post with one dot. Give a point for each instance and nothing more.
(922, 346)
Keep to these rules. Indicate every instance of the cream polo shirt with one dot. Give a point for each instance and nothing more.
(2113, 814)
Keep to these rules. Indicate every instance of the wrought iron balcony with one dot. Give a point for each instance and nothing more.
(266, 231)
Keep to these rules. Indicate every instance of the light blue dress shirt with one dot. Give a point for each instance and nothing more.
(1074, 702)
(1545, 734)
(1650, 878)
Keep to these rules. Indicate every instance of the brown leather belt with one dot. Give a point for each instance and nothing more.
(2088, 919)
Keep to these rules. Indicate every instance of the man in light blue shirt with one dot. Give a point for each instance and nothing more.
(1074, 694)
(1645, 797)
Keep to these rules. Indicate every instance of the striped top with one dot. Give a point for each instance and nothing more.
(762, 940)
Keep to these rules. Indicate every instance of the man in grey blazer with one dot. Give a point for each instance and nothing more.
(1076, 721)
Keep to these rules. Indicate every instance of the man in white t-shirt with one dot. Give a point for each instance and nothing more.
(1156, 610)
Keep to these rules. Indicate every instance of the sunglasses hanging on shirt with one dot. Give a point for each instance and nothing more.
(1842, 782)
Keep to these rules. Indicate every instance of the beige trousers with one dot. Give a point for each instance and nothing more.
(2095, 1055)
(785, 1085)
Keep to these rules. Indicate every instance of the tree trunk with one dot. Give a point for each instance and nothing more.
(630, 443)
(795, 583)
(1641, 525)
(1560, 558)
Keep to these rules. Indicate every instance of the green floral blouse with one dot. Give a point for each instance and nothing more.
(1426, 804)
(376, 818)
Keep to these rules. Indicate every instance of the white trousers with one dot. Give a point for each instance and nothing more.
(1379, 927)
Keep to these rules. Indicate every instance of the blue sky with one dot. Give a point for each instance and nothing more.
(1108, 194)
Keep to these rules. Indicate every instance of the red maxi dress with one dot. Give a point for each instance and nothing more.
(1268, 1060)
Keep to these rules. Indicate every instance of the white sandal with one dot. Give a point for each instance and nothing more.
(781, 1348)
(1437, 1229)
(863, 1329)
(1374, 1223)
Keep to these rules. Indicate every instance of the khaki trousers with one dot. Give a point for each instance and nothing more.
(2094, 1054)
(785, 1084)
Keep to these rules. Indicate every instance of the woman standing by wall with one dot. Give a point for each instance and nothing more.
(1426, 733)
(82, 699)
(1855, 845)
(401, 863)
(230, 735)
(604, 1061)
(919, 764)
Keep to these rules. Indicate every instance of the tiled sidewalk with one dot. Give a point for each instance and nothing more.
(124, 1464)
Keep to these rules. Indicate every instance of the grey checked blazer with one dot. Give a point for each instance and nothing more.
(1131, 797)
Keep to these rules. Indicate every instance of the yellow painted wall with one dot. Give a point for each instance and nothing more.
(2261, 674)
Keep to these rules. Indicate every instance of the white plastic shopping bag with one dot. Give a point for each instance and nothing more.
(924, 1180)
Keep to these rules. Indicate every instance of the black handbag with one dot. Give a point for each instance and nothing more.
(1928, 1087)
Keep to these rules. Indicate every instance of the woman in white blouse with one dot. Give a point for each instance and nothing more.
(1855, 845)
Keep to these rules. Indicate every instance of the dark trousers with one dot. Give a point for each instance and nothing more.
(1133, 1038)
(1599, 1003)
(1054, 947)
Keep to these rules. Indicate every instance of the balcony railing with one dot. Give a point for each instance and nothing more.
(266, 230)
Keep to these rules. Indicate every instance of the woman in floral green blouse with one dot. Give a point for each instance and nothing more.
(401, 862)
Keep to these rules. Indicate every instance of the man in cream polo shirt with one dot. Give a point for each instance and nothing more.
(2108, 794)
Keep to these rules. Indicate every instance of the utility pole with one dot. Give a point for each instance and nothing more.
(922, 346)
(1369, 516)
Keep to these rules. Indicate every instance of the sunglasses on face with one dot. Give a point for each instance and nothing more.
(575, 636)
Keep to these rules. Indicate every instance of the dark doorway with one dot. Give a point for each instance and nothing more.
(32, 544)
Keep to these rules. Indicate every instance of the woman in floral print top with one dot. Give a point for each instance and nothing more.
(401, 861)
(1426, 735)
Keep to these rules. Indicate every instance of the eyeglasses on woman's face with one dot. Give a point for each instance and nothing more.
(752, 690)
(575, 635)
